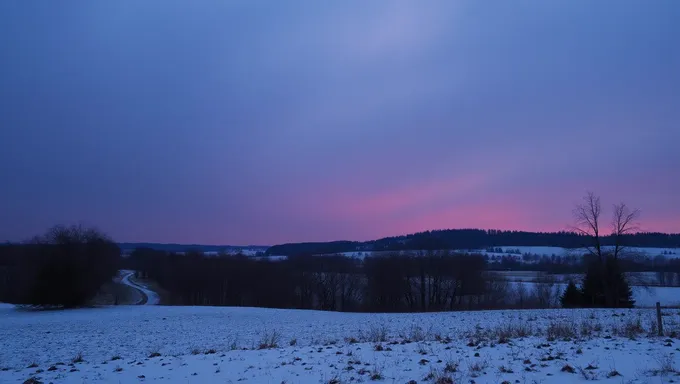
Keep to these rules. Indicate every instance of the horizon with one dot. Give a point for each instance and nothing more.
(358, 241)
(243, 123)
(364, 241)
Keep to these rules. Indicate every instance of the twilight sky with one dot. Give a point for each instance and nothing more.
(261, 122)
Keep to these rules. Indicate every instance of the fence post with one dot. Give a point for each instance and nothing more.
(658, 318)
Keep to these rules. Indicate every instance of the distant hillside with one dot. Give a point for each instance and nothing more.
(194, 247)
(470, 239)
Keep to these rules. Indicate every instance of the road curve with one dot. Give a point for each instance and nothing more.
(151, 297)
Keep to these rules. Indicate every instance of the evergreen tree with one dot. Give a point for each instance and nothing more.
(593, 287)
(606, 286)
(572, 297)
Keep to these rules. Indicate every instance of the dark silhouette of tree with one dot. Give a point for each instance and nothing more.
(572, 297)
(605, 284)
(65, 267)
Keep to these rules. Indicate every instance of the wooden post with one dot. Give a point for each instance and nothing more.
(658, 318)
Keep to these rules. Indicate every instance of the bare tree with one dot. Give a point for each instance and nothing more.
(606, 270)
(587, 216)
(623, 223)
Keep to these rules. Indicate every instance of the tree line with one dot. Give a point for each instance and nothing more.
(391, 282)
(477, 239)
(65, 267)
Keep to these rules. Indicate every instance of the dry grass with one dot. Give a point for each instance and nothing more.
(269, 339)
(375, 334)
(505, 333)
(560, 330)
(78, 358)
(438, 377)
(630, 328)
(568, 369)
(666, 366)
(477, 368)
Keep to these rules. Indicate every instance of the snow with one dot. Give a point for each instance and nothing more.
(559, 251)
(536, 250)
(645, 297)
(322, 349)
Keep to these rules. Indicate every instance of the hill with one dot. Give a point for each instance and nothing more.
(470, 239)
(129, 247)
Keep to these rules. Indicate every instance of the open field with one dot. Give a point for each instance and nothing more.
(206, 345)
(519, 251)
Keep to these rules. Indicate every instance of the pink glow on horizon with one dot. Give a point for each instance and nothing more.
(393, 201)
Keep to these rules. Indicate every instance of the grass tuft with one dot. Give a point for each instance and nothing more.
(269, 339)
(78, 358)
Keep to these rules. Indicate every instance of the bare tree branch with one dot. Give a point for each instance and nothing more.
(587, 216)
(623, 223)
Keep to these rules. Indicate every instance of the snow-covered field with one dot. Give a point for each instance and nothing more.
(645, 297)
(558, 251)
(544, 251)
(205, 345)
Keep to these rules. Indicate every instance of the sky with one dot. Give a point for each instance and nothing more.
(264, 122)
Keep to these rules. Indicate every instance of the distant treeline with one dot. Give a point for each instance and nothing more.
(473, 239)
(169, 247)
(571, 264)
(390, 283)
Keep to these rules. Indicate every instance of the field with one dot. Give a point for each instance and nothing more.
(227, 345)
(649, 252)
(645, 296)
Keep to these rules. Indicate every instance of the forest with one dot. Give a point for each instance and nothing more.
(475, 239)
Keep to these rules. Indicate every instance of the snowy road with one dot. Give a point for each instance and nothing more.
(151, 296)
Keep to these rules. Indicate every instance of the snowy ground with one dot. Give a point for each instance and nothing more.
(645, 297)
(546, 251)
(558, 251)
(205, 345)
